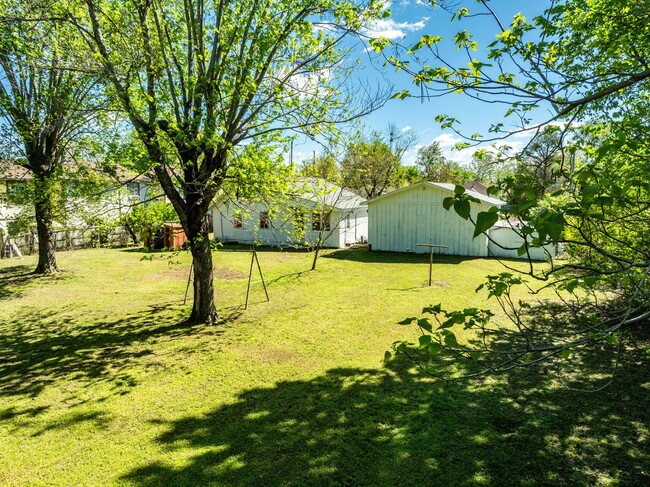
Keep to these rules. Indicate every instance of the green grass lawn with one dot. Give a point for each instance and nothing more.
(101, 383)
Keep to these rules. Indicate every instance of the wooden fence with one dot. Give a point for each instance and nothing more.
(27, 243)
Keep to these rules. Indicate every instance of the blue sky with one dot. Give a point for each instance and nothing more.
(409, 21)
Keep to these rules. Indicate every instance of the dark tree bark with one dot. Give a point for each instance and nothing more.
(46, 241)
(316, 252)
(203, 310)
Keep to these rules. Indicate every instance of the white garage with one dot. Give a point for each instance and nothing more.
(399, 221)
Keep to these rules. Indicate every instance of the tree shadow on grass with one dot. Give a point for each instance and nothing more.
(14, 279)
(394, 427)
(39, 348)
(379, 257)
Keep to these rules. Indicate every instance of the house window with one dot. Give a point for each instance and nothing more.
(348, 223)
(133, 188)
(320, 221)
(237, 220)
(264, 219)
(15, 190)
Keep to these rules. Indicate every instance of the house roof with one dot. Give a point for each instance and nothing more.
(476, 186)
(316, 190)
(447, 187)
(14, 172)
(324, 192)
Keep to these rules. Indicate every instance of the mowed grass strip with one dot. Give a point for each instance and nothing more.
(101, 383)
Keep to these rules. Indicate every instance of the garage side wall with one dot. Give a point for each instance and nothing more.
(416, 216)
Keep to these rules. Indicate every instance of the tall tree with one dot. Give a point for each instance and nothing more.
(400, 140)
(47, 101)
(434, 166)
(487, 167)
(540, 164)
(369, 166)
(199, 78)
(324, 167)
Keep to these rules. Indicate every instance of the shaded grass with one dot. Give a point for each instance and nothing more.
(100, 384)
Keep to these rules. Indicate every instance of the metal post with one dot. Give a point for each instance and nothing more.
(259, 268)
(189, 278)
(250, 276)
(431, 247)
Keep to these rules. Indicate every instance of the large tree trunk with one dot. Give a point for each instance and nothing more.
(203, 310)
(44, 220)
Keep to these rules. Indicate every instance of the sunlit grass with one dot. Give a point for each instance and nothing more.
(101, 382)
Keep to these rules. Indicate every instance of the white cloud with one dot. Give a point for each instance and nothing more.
(406, 129)
(391, 29)
(298, 157)
(462, 156)
(447, 140)
(409, 157)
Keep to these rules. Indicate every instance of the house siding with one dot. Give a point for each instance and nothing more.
(507, 237)
(280, 231)
(400, 221)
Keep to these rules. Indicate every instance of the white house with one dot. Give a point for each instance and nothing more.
(505, 239)
(82, 215)
(401, 220)
(126, 190)
(314, 207)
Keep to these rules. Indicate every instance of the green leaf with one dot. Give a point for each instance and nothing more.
(570, 286)
(434, 349)
(475, 356)
(450, 340)
(401, 95)
(566, 353)
(526, 205)
(604, 200)
(432, 309)
(448, 202)
(425, 341)
(425, 324)
(484, 221)
(552, 224)
(462, 208)
(446, 324)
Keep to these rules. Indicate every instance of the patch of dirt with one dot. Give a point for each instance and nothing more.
(435, 283)
(181, 273)
(267, 355)
(228, 274)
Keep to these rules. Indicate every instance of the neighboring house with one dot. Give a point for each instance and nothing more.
(400, 220)
(128, 189)
(477, 187)
(505, 239)
(84, 220)
(313, 208)
(12, 179)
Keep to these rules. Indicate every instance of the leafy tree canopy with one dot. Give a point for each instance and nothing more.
(200, 79)
(585, 63)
